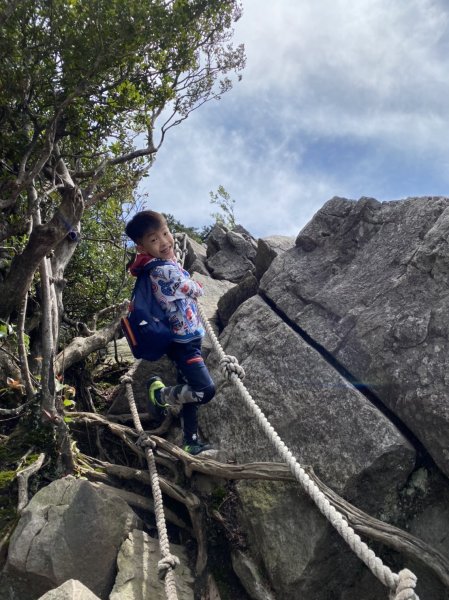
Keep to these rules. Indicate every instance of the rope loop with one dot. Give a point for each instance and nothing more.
(229, 366)
(405, 589)
(126, 379)
(181, 252)
(168, 562)
(145, 441)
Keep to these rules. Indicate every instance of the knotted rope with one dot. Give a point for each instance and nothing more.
(168, 562)
(229, 366)
(401, 585)
(405, 587)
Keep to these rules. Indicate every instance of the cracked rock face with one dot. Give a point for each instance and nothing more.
(363, 296)
(326, 423)
(311, 406)
(368, 281)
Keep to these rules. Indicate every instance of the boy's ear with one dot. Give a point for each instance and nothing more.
(140, 249)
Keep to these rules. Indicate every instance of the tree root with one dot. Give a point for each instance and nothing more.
(389, 535)
(22, 481)
(144, 418)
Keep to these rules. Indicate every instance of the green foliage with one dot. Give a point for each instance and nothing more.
(6, 477)
(217, 498)
(88, 91)
(225, 203)
(96, 276)
(5, 329)
(83, 84)
(101, 71)
(8, 330)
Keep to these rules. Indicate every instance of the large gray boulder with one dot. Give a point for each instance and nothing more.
(195, 261)
(326, 423)
(320, 416)
(230, 254)
(214, 290)
(367, 282)
(270, 247)
(69, 530)
(70, 590)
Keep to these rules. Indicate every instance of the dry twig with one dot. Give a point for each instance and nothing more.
(22, 481)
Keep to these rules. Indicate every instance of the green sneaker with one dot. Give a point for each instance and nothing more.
(155, 407)
(196, 447)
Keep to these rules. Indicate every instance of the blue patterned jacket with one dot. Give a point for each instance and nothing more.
(177, 293)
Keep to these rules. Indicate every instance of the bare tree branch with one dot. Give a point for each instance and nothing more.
(80, 347)
(47, 334)
(42, 239)
(387, 534)
(23, 357)
(22, 481)
(14, 412)
(78, 325)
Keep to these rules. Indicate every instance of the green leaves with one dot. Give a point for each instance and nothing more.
(96, 276)
(5, 329)
(66, 393)
(92, 70)
(83, 86)
(223, 200)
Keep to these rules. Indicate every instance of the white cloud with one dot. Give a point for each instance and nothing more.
(371, 45)
(349, 67)
(323, 78)
(271, 196)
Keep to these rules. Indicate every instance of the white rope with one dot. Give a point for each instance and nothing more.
(180, 248)
(168, 562)
(405, 587)
(402, 585)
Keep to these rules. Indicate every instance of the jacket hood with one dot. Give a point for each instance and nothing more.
(139, 262)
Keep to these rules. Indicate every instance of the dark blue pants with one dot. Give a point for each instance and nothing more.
(193, 372)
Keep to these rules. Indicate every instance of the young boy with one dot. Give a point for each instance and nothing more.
(176, 293)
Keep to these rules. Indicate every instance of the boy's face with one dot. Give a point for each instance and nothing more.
(159, 243)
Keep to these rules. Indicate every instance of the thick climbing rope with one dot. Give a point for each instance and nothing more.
(402, 584)
(168, 561)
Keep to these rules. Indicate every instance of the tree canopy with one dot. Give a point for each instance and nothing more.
(88, 91)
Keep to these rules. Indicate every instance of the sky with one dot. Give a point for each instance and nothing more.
(338, 98)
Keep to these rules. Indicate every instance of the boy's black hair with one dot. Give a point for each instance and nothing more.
(146, 220)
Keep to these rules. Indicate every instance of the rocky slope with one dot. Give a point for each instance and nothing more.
(344, 337)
